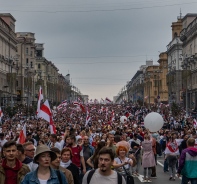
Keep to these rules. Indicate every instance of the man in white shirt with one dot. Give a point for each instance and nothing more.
(104, 174)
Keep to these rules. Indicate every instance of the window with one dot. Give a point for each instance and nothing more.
(31, 53)
(27, 61)
(27, 50)
(39, 66)
(31, 64)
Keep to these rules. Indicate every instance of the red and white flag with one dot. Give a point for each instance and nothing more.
(112, 116)
(79, 100)
(64, 103)
(59, 107)
(40, 98)
(172, 148)
(195, 123)
(45, 113)
(22, 135)
(107, 100)
(76, 103)
(88, 118)
(1, 113)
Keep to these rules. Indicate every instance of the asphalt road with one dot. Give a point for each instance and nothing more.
(162, 178)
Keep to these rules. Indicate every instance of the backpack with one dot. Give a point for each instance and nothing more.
(90, 174)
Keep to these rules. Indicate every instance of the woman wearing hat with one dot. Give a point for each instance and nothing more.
(44, 174)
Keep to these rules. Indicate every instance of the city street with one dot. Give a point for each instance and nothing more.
(162, 178)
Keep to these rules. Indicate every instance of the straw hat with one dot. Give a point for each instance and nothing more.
(42, 149)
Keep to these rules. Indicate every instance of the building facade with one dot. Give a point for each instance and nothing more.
(26, 67)
(188, 36)
(174, 76)
(8, 60)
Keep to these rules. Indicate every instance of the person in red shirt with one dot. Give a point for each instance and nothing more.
(77, 152)
(12, 171)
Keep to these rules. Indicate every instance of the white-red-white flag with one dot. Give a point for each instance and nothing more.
(45, 113)
(195, 123)
(107, 100)
(22, 135)
(1, 113)
(40, 98)
(88, 118)
(64, 103)
(76, 103)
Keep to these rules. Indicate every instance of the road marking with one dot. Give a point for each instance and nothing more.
(160, 164)
(140, 177)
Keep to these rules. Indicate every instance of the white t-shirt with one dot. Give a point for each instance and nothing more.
(121, 170)
(97, 177)
(42, 181)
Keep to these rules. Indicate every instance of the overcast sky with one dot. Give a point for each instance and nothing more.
(101, 43)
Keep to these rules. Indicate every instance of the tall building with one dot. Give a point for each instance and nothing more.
(189, 63)
(174, 76)
(8, 60)
(26, 67)
(135, 87)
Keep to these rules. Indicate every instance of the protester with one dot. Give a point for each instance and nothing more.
(66, 157)
(122, 164)
(110, 142)
(12, 171)
(104, 174)
(55, 164)
(93, 160)
(136, 150)
(171, 153)
(188, 163)
(24, 159)
(88, 151)
(29, 149)
(148, 159)
(77, 158)
(44, 173)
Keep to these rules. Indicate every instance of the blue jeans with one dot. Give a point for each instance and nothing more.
(185, 180)
(165, 168)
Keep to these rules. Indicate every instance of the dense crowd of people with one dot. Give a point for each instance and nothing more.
(94, 144)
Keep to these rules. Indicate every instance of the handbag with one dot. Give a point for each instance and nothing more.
(129, 178)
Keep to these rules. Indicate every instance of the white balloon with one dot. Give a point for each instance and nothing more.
(153, 121)
(123, 119)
